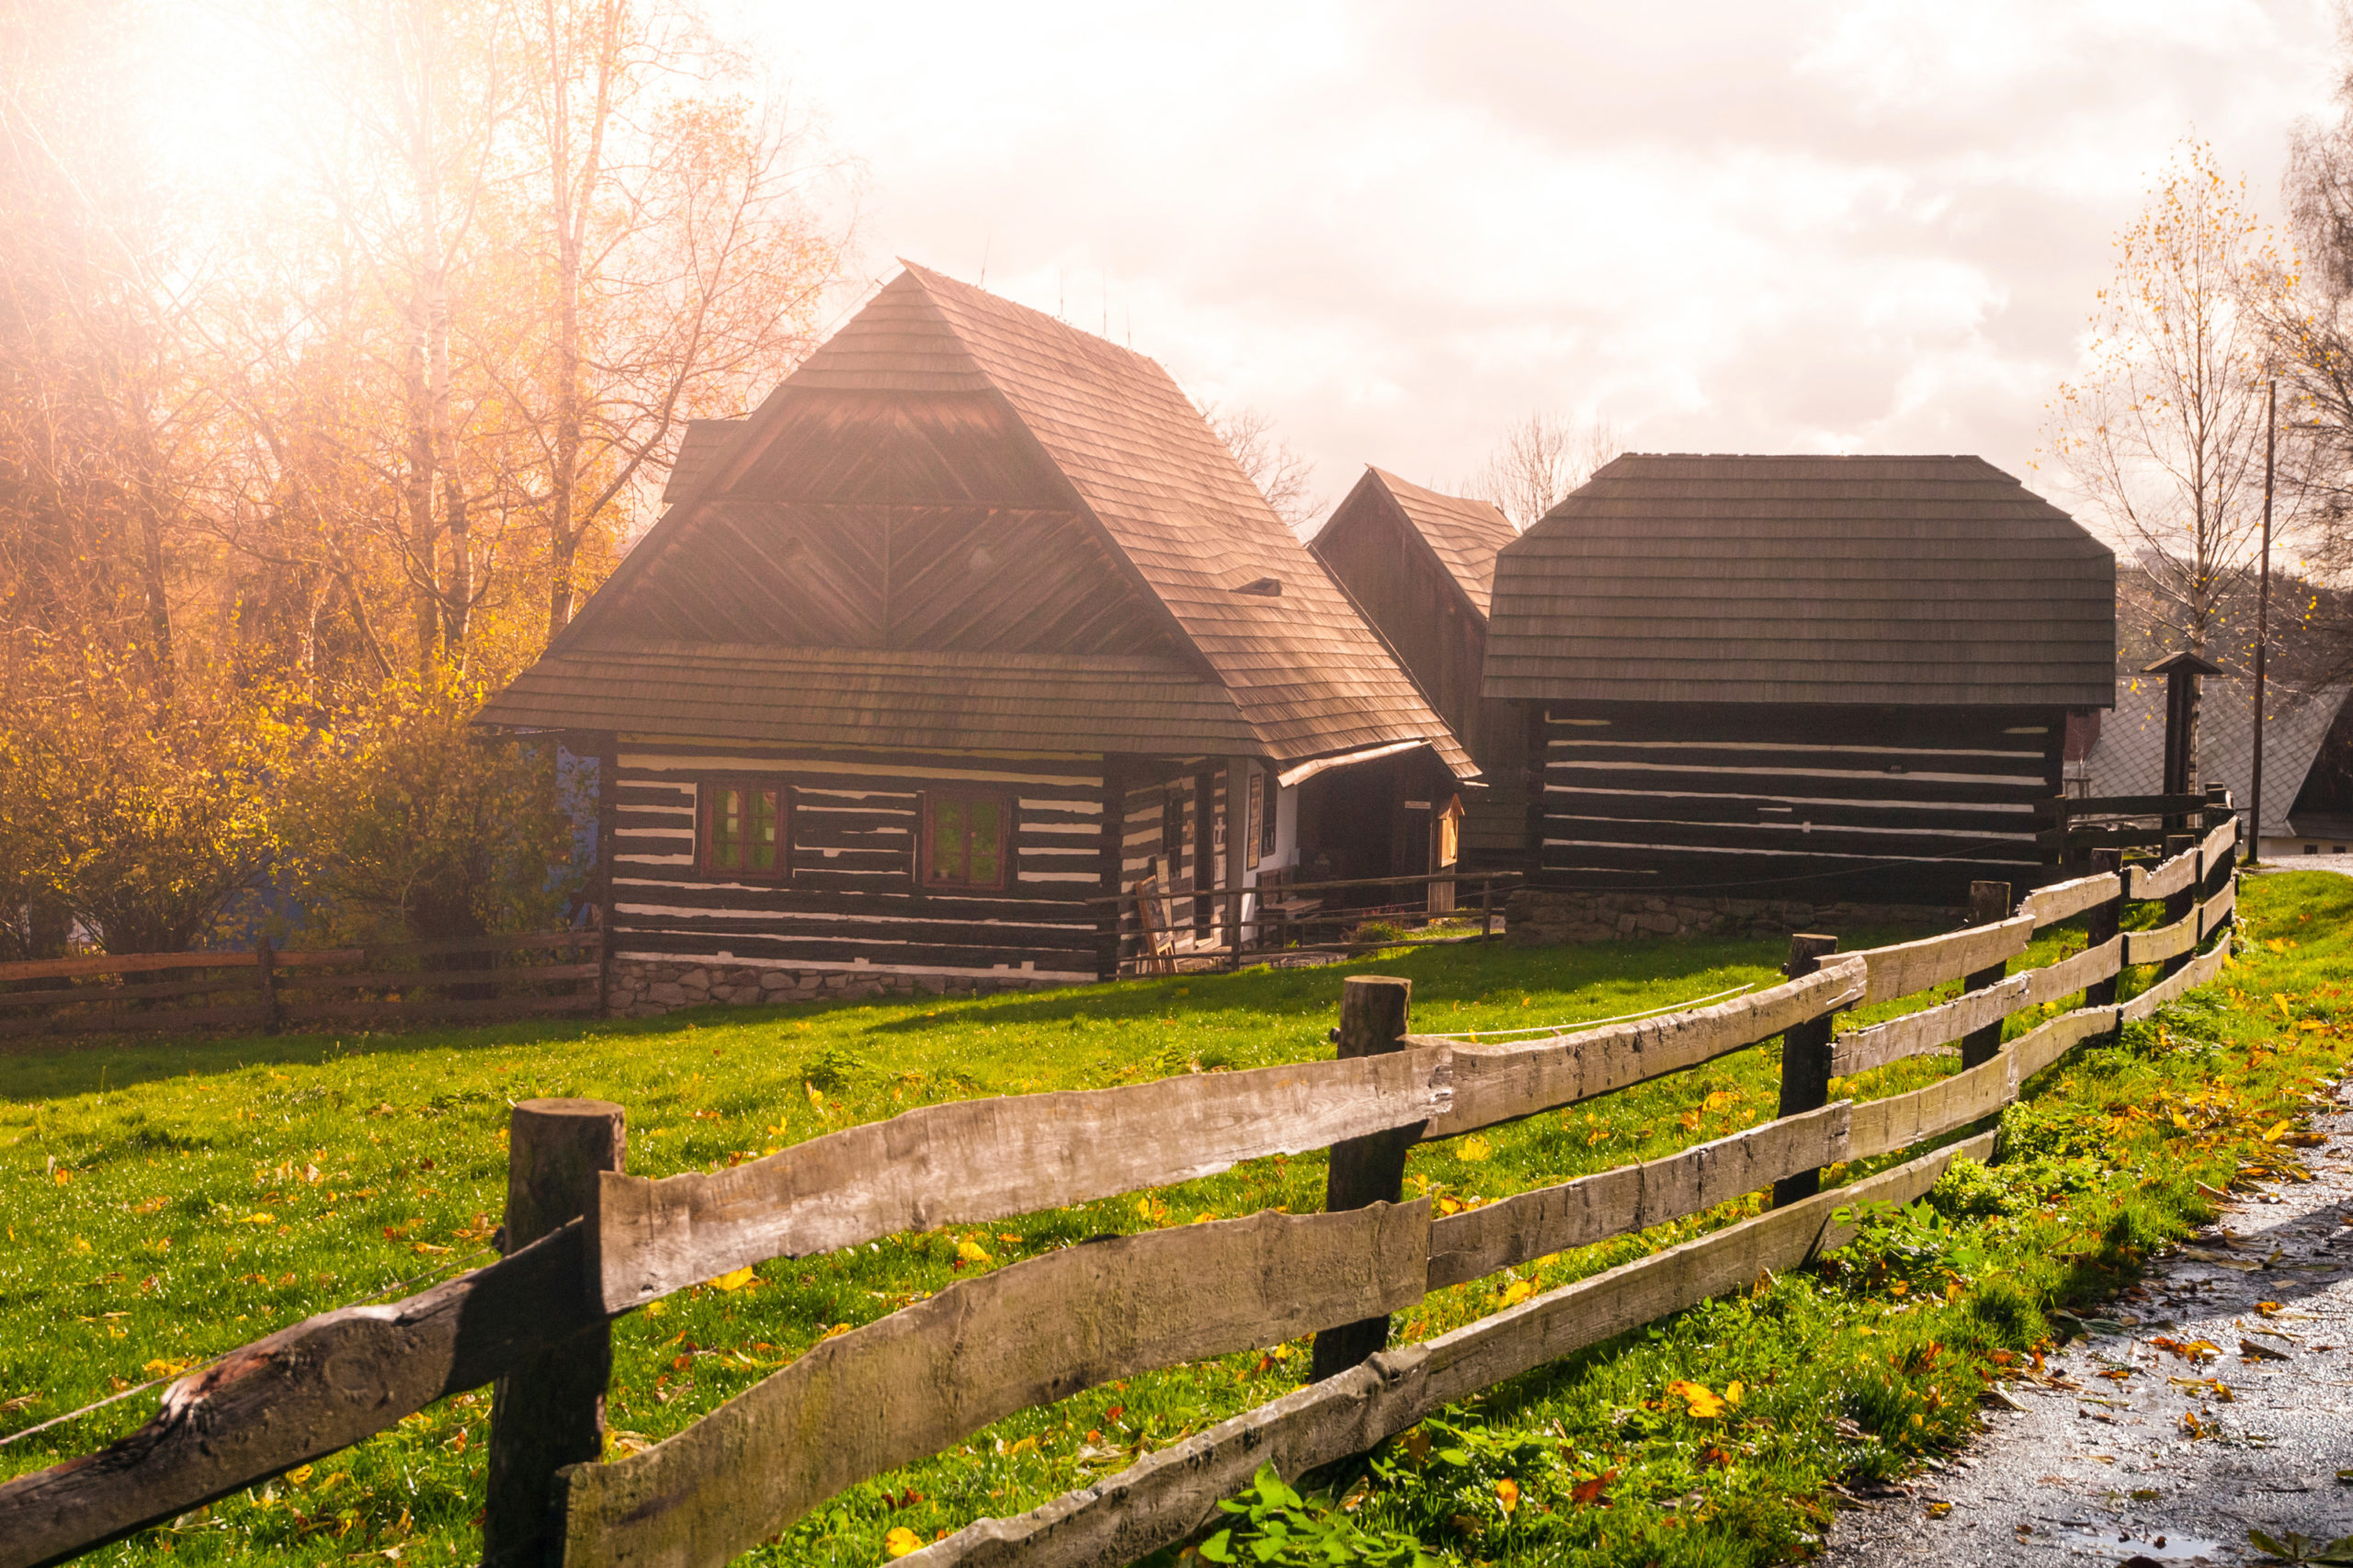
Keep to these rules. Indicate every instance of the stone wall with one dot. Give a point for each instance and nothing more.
(1543, 915)
(642, 988)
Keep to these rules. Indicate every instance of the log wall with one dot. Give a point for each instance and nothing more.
(850, 901)
(1880, 804)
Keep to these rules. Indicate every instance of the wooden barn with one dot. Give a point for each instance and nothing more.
(972, 621)
(1810, 678)
(1421, 567)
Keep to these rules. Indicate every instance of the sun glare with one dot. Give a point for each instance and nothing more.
(217, 97)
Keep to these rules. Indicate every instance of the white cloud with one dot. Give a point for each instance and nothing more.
(1863, 226)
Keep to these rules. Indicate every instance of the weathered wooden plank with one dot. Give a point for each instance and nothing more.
(403, 979)
(2220, 843)
(112, 995)
(324, 1384)
(314, 958)
(113, 963)
(1499, 1082)
(986, 1159)
(2200, 970)
(1901, 1120)
(1632, 1197)
(424, 1010)
(2047, 1042)
(2215, 912)
(2164, 942)
(1797, 832)
(520, 941)
(1906, 967)
(2144, 882)
(938, 1371)
(1915, 1033)
(1166, 1497)
(131, 1021)
(2132, 806)
(2070, 975)
(2063, 900)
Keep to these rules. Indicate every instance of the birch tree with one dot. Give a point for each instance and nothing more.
(2162, 435)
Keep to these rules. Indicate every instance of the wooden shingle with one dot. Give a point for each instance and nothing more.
(1937, 581)
(951, 473)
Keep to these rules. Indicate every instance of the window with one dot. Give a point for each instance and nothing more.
(743, 829)
(966, 837)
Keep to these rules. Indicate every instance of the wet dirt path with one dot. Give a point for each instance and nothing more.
(2159, 1466)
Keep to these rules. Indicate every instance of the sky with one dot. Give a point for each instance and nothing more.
(1867, 226)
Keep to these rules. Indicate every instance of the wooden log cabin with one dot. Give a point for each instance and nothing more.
(1807, 679)
(973, 621)
(1420, 566)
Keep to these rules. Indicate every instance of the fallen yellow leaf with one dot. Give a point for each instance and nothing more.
(899, 1540)
(260, 1220)
(1515, 1292)
(1507, 1495)
(1699, 1401)
(160, 1367)
(1475, 1149)
(734, 1279)
(973, 1252)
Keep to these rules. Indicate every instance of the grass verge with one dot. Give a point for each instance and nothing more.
(168, 1201)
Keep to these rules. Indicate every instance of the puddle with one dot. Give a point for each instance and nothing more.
(2117, 1546)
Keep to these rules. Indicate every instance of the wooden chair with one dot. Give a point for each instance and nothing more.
(1159, 954)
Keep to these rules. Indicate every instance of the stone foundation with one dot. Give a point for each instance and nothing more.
(1546, 916)
(645, 988)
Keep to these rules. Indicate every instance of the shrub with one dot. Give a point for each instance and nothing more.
(411, 823)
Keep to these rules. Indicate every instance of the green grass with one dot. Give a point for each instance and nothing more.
(171, 1201)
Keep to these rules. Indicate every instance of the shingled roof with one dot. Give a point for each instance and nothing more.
(1237, 606)
(2129, 757)
(1865, 580)
(1464, 535)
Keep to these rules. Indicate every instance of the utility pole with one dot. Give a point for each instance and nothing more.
(2262, 625)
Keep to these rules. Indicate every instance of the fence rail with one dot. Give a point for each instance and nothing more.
(925, 1377)
(1160, 929)
(508, 976)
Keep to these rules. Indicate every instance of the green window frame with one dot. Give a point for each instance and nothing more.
(744, 831)
(967, 839)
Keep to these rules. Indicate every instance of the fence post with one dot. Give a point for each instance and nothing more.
(1486, 909)
(2180, 904)
(266, 968)
(1370, 1169)
(547, 1411)
(1989, 904)
(2101, 923)
(1805, 1060)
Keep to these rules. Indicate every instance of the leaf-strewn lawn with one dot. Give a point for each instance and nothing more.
(165, 1202)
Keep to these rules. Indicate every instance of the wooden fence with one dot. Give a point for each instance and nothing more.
(267, 988)
(591, 1242)
(1278, 919)
(2079, 826)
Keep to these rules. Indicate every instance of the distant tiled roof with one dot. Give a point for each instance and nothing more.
(877, 696)
(1898, 580)
(698, 444)
(1463, 534)
(2129, 758)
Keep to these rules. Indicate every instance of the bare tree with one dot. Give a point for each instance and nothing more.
(2164, 433)
(686, 263)
(1281, 475)
(1539, 460)
(2311, 342)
